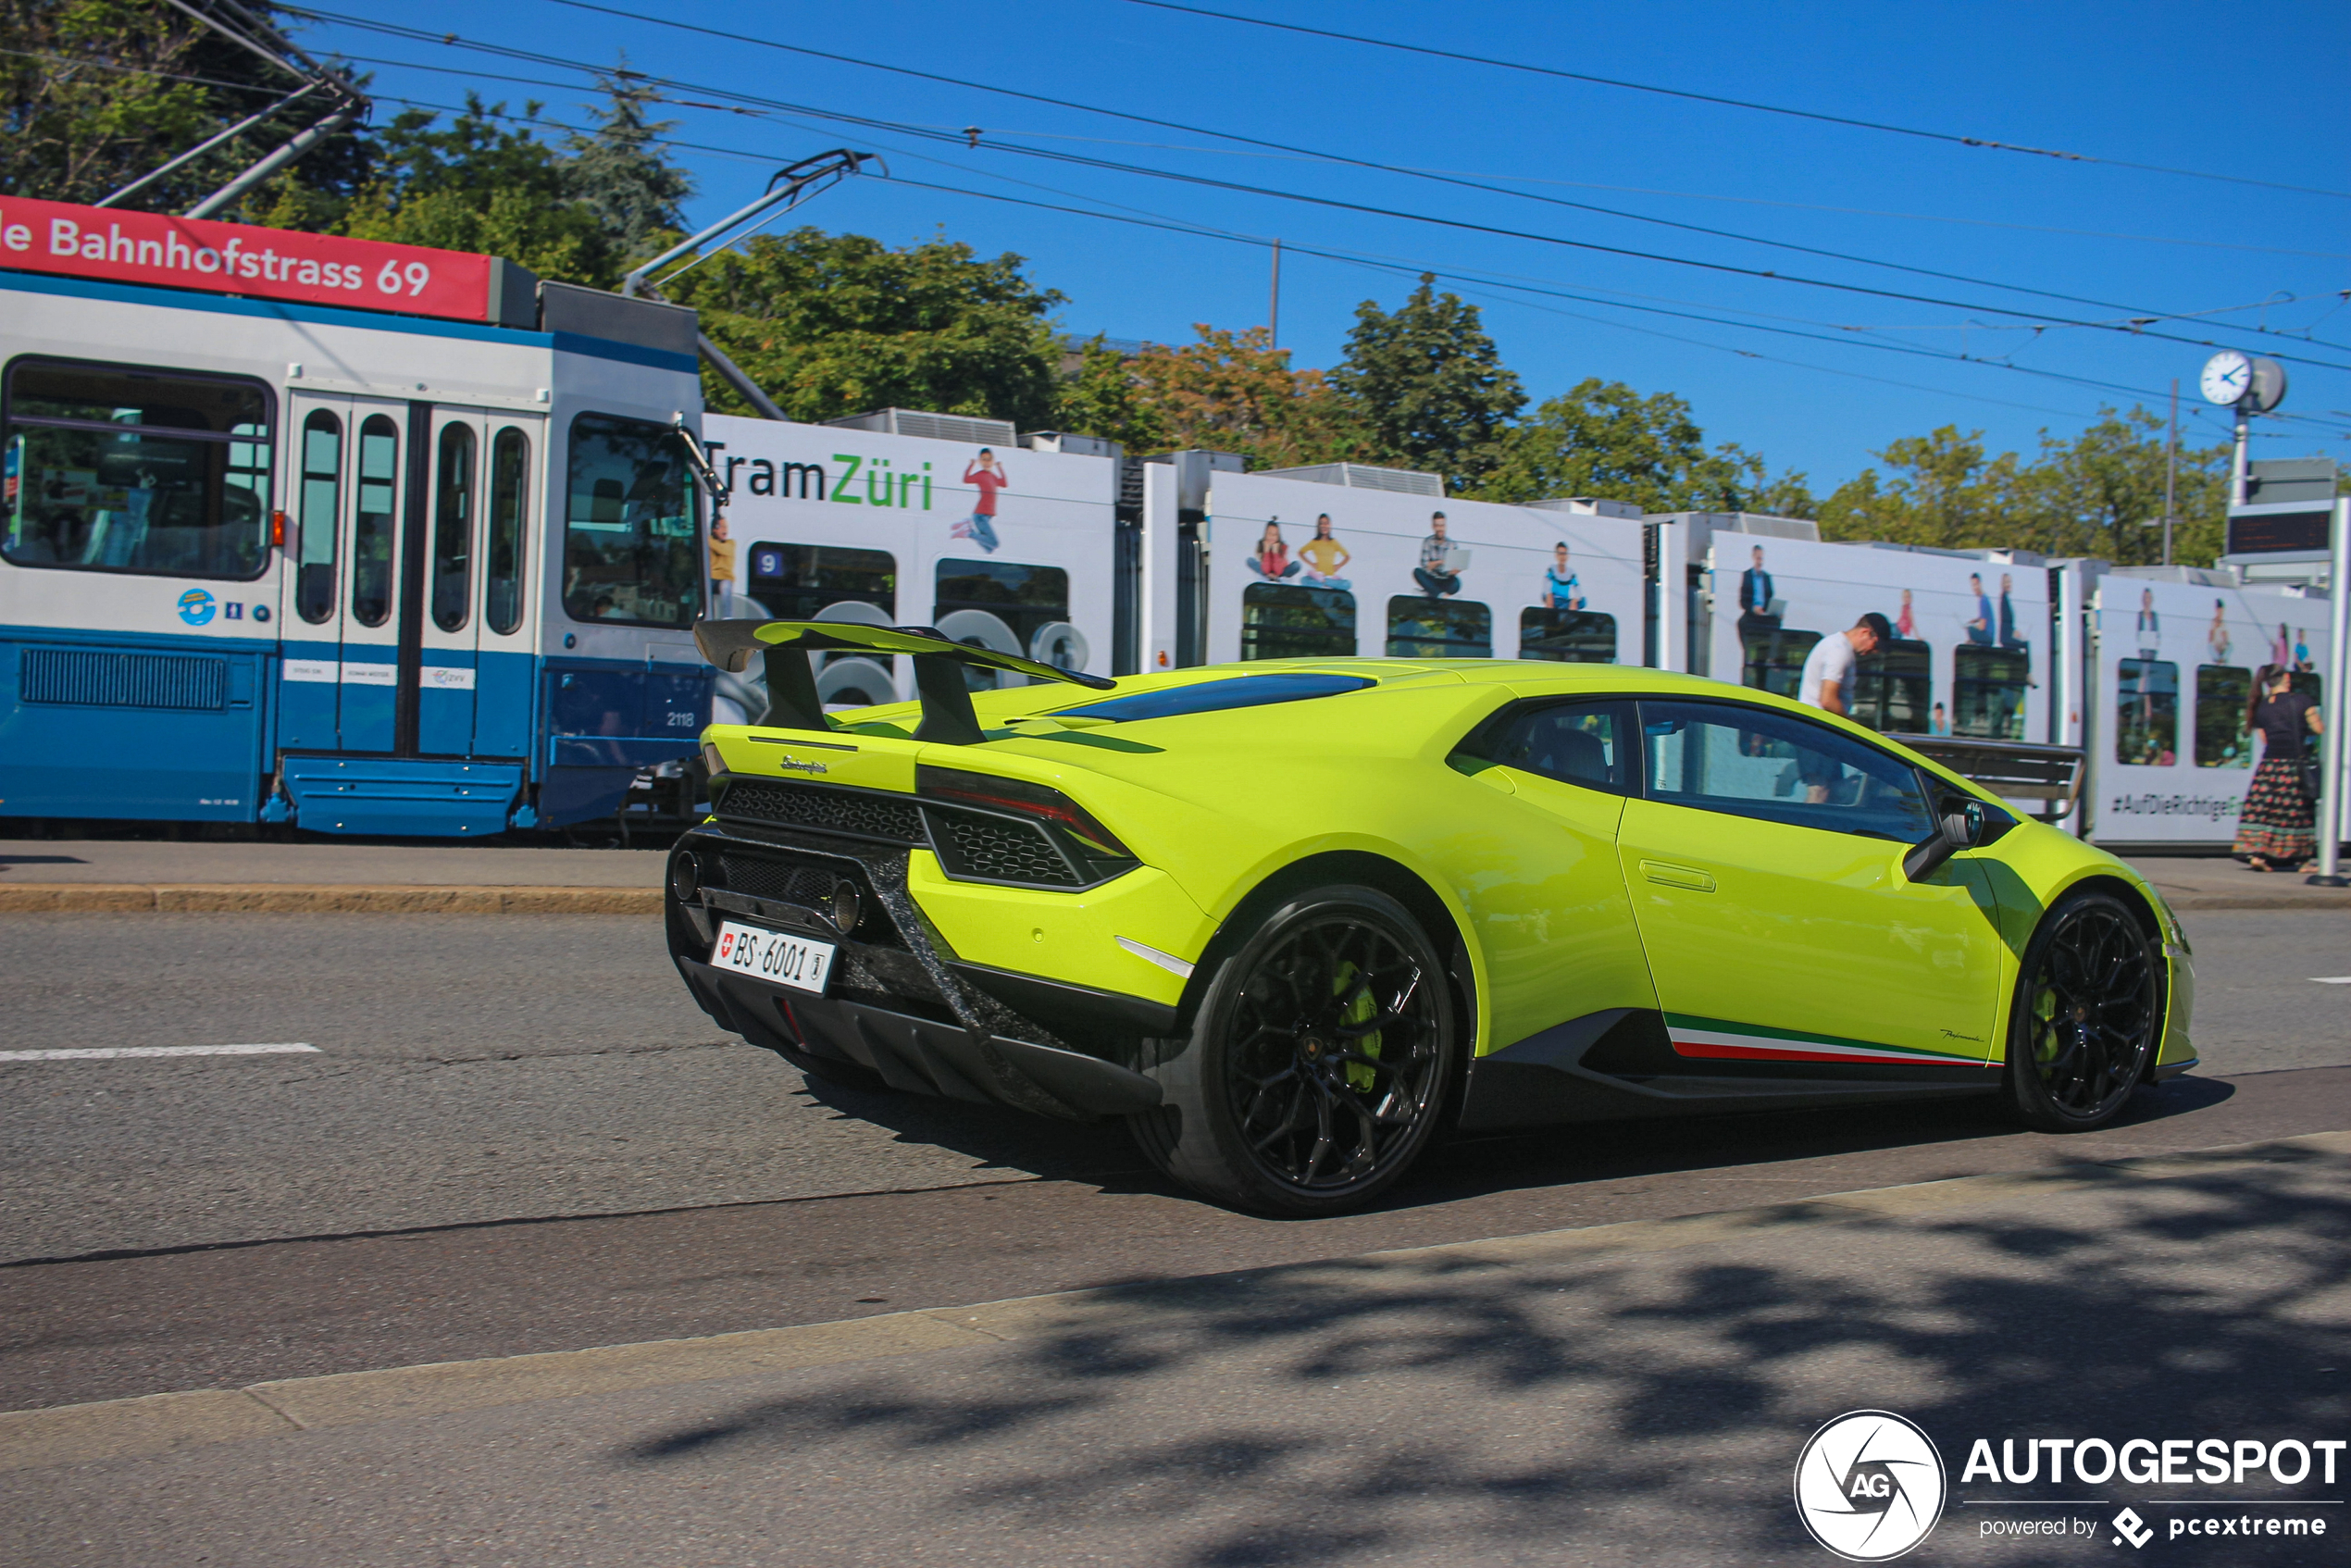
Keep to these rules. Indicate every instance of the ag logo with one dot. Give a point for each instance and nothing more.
(1869, 1486)
(195, 606)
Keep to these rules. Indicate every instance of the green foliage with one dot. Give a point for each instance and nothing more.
(1102, 393)
(1602, 439)
(2099, 493)
(620, 174)
(1230, 392)
(836, 323)
(91, 97)
(1427, 387)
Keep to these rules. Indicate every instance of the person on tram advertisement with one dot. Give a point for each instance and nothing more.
(1980, 626)
(1905, 625)
(1442, 561)
(1755, 616)
(988, 475)
(1562, 591)
(1324, 557)
(1272, 560)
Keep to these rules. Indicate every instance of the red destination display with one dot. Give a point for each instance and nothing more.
(237, 258)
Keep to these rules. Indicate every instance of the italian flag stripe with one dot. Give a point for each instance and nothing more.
(1711, 1038)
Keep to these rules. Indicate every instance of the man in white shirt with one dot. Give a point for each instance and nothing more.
(1827, 684)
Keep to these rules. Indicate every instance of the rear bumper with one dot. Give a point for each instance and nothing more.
(923, 1055)
(899, 1003)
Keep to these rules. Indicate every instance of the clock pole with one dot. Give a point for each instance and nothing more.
(2237, 469)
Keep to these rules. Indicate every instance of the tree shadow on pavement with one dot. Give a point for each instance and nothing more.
(1452, 1407)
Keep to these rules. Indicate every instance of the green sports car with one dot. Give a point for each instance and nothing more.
(1291, 919)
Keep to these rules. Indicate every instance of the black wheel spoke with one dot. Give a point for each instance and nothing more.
(2094, 1010)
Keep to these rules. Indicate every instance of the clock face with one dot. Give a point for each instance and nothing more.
(2228, 376)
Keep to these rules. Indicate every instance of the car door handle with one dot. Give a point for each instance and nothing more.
(1677, 876)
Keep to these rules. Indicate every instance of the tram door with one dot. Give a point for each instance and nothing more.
(406, 626)
(472, 679)
(341, 638)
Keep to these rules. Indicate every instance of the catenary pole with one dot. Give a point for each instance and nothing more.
(1273, 302)
(2337, 703)
(2172, 474)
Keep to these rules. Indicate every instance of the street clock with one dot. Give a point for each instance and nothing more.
(2228, 376)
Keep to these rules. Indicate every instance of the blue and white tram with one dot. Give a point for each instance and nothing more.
(365, 572)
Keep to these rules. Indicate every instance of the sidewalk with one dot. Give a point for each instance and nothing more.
(128, 876)
(124, 876)
(1621, 1393)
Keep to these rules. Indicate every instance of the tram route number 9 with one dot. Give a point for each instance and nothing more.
(415, 275)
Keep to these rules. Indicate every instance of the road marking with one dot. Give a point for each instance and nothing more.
(2332, 979)
(108, 1052)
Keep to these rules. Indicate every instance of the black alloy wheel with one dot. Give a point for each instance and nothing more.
(2089, 1015)
(1317, 1068)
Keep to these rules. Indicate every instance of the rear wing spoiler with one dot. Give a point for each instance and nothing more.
(2017, 770)
(792, 703)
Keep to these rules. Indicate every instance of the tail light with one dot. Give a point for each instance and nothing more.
(988, 828)
(277, 530)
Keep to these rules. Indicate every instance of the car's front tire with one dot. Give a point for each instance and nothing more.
(1317, 1064)
(2088, 1016)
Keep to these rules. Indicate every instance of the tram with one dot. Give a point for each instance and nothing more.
(370, 539)
(386, 541)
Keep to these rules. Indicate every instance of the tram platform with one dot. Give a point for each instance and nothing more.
(130, 874)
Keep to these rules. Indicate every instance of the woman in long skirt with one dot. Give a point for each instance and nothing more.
(2276, 832)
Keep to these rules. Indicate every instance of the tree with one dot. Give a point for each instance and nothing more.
(619, 174)
(1427, 385)
(1235, 391)
(1602, 439)
(1103, 395)
(95, 93)
(2099, 494)
(836, 323)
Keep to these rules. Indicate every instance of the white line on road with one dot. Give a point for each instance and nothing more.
(108, 1052)
(2332, 979)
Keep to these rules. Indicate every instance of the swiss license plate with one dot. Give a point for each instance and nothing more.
(772, 956)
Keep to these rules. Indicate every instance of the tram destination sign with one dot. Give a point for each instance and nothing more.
(239, 258)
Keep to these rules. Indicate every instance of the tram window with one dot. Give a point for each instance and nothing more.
(322, 486)
(631, 550)
(1009, 607)
(1419, 627)
(1570, 636)
(2146, 712)
(373, 520)
(2222, 693)
(1773, 661)
(118, 469)
(2308, 682)
(1987, 692)
(452, 528)
(509, 496)
(1282, 620)
(1893, 687)
(793, 581)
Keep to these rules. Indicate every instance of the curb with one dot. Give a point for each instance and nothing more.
(292, 898)
(158, 1424)
(2313, 898)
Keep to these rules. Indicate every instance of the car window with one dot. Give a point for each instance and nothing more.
(1583, 743)
(1751, 762)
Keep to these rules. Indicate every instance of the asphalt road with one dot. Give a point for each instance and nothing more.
(518, 1135)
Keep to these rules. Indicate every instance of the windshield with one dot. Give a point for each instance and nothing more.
(1216, 696)
(631, 554)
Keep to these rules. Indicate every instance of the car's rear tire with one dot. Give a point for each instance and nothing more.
(2088, 1016)
(1318, 1060)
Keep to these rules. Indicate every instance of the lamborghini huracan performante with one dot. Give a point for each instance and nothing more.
(1289, 920)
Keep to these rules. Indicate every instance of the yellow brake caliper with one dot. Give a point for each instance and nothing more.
(1362, 1010)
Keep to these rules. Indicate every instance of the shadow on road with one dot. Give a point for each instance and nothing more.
(1603, 1410)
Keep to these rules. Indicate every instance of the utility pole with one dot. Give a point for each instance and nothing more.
(2172, 475)
(1273, 305)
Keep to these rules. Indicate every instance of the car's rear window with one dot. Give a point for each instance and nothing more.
(1216, 696)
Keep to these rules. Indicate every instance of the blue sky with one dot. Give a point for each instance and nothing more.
(2247, 92)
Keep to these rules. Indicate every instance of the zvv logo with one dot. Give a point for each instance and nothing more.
(1870, 1485)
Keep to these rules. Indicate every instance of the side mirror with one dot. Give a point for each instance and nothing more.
(1962, 829)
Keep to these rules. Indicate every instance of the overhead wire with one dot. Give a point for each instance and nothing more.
(1952, 138)
(2140, 326)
